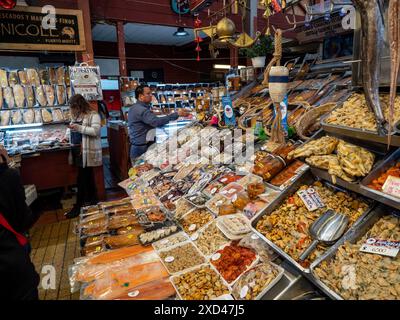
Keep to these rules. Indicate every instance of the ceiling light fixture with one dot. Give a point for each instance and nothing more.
(180, 32)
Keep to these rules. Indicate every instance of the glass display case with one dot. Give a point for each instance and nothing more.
(33, 138)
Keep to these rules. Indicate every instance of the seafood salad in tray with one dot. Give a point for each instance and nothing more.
(347, 272)
(201, 283)
(285, 224)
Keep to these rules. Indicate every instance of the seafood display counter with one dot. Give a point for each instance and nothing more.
(195, 229)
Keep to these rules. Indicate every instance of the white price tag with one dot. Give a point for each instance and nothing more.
(170, 196)
(255, 237)
(219, 203)
(169, 259)
(213, 190)
(316, 198)
(224, 179)
(216, 256)
(133, 293)
(244, 291)
(224, 192)
(234, 198)
(194, 237)
(392, 186)
(192, 227)
(307, 200)
(381, 247)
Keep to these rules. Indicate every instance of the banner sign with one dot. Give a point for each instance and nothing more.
(25, 28)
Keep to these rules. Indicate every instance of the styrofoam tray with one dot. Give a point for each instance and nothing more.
(227, 232)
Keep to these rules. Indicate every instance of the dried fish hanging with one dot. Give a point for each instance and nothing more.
(372, 32)
(394, 42)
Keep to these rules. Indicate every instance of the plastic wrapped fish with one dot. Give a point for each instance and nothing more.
(1, 98)
(53, 76)
(19, 96)
(23, 78)
(41, 96)
(61, 76)
(57, 115)
(61, 95)
(28, 116)
(16, 117)
(13, 78)
(67, 114)
(38, 116)
(3, 78)
(46, 116)
(69, 93)
(33, 77)
(5, 118)
(49, 95)
(9, 97)
(44, 76)
(30, 97)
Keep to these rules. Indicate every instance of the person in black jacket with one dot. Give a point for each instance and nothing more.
(18, 277)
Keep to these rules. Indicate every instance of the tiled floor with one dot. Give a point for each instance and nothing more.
(54, 242)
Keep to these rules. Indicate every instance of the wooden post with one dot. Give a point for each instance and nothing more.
(86, 56)
(121, 49)
(234, 56)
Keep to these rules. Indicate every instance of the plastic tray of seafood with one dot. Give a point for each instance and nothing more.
(196, 219)
(148, 237)
(209, 239)
(200, 283)
(373, 276)
(257, 281)
(153, 217)
(284, 223)
(232, 260)
(372, 184)
(335, 121)
(180, 257)
(198, 199)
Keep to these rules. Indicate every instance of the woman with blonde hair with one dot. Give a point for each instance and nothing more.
(85, 132)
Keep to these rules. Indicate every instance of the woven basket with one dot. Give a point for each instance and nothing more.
(310, 117)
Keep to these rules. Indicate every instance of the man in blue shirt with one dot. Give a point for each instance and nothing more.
(141, 120)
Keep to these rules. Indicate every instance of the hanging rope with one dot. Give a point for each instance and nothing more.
(276, 60)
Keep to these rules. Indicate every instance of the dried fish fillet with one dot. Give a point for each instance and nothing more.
(53, 75)
(33, 77)
(5, 118)
(9, 97)
(23, 78)
(28, 116)
(49, 95)
(13, 78)
(57, 115)
(30, 97)
(323, 146)
(61, 95)
(3, 78)
(44, 76)
(19, 95)
(46, 116)
(38, 116)
(16, 117)
(41, 96)
(67, 115)
(69, 93)
(61, 76)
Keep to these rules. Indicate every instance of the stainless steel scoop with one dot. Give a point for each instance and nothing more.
(328, 228)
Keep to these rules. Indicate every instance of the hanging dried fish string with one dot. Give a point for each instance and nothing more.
(394, 42)
(372, 31)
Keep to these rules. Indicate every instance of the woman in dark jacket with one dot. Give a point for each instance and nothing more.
(18, 277)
